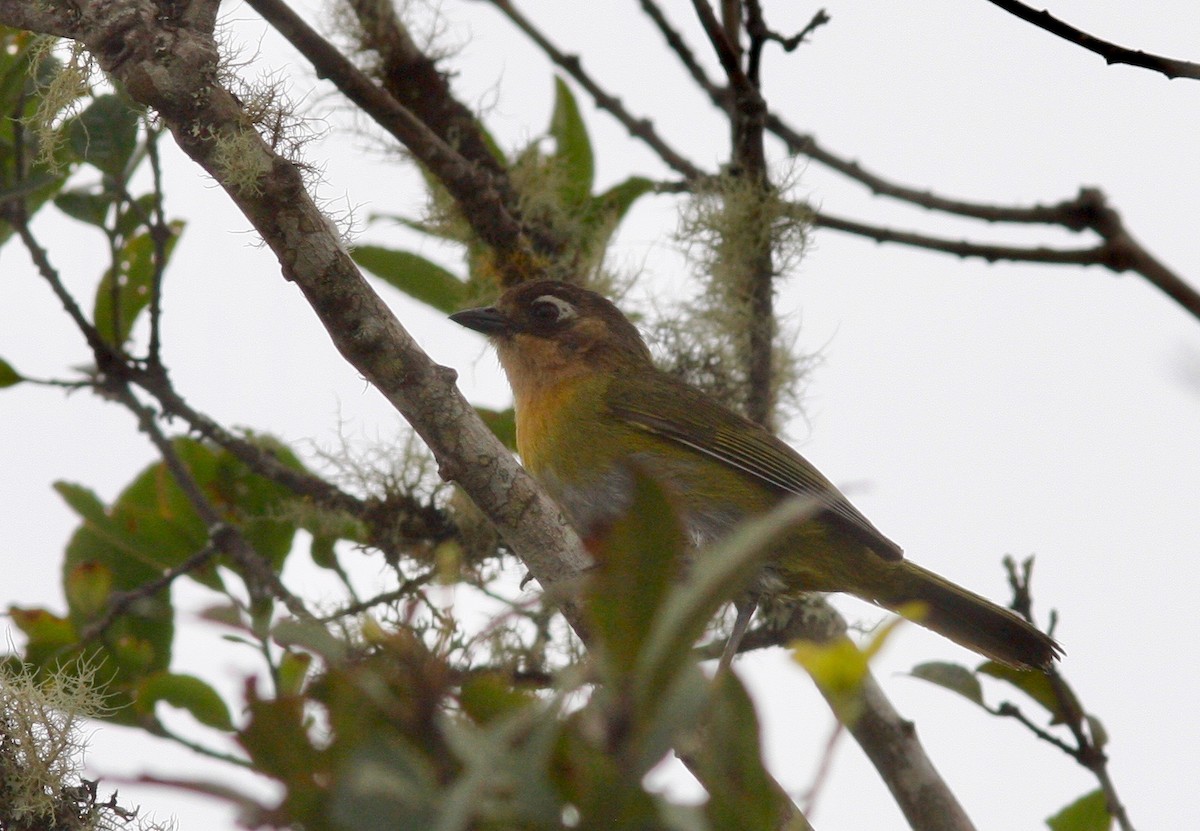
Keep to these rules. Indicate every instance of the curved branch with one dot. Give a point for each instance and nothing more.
(1111, 52)
(1119, 252)
(1094, 255)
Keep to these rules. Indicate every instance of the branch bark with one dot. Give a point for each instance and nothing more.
(170, 65)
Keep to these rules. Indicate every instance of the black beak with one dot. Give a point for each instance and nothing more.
(488, 320)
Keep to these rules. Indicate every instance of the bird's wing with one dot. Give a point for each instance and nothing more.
(671, 409)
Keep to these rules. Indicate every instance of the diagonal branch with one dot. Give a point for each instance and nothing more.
(473, 187)
(413, 79)
(1111, 52)
(170, 67)
(639, 128)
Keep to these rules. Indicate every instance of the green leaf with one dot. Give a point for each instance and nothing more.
(635, 563)
(1033, 683)
(488, 696)
(185, 692)
(1097, 731)
(1088, 813)
(614, 203)
(387, 787)
(91, 208)
(136, 214)
(741, 792)
(414, 275)
(311, 636)
(105, 134)
(953, 677)
(9, 376)
(573, 148)
(47, 633)
(323, 551)
(130, 285)
(293, 670)
(717, 573)
(838, 667)
(279, 745)
(88, 586)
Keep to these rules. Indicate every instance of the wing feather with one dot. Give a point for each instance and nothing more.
(670, 409)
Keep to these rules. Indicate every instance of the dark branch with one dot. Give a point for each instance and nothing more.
(472, 186)
(1111, 52)
(413, 79)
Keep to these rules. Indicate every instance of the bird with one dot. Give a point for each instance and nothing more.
(591, 405)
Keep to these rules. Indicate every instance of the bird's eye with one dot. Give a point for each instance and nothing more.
(548, 310)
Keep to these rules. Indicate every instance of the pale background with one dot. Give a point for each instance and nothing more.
(973, 410)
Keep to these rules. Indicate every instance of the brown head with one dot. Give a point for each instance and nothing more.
(547, 332)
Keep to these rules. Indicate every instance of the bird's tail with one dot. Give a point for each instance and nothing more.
(966, 618)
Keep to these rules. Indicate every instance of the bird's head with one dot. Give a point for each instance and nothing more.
(547, 332)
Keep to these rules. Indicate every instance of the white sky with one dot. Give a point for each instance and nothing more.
(972, 410)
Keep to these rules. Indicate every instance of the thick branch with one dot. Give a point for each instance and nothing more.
(1111, 52)
(413, 79)
(171, 69)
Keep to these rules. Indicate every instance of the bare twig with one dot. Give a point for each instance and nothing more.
(1118, 252)
(790, 43)
(261, 579)
(640, 128)
(160, 233)
(687, 57)
(961, 248)
(120, 602)
(1088, 210)
(1111, 52)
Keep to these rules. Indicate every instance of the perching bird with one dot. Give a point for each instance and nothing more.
(589, 401)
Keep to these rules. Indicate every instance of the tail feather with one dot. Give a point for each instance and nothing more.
(968, 619)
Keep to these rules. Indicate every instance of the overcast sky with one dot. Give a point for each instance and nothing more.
(972, 411)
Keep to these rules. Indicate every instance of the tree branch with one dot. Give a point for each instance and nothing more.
(471, 185)
(1111, 52)
(889, 740)
(1119, 252)
(171, 68)
(639, 128)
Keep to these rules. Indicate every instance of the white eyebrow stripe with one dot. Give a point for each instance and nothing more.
(565, 310)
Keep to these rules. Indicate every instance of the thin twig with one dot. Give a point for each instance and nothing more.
(1119, 252)
(687, 57)
(1093, 255)
(639, 128)
(120, 602)
(261, 580)
(160, 233)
